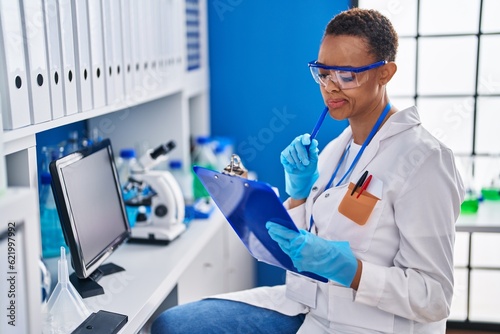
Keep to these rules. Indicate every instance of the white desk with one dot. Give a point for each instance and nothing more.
(152, 271)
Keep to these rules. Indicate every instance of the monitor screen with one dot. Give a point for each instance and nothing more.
(91, 209)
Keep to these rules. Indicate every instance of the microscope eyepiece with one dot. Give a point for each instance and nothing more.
(162, 149)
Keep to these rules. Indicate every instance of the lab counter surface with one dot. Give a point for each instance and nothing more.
(487, 219)
(477, 268)
(151, 273)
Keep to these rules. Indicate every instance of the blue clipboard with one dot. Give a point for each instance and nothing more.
(247, 206)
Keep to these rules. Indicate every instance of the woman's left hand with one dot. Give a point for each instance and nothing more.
(331, 259)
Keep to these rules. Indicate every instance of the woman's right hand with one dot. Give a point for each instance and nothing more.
(300, 161)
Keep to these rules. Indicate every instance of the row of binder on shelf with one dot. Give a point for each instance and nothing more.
(193, 34)
(61, 57)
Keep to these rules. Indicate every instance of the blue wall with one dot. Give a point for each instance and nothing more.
(262, 94)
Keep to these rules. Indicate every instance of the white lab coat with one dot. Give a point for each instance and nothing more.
(406, 246)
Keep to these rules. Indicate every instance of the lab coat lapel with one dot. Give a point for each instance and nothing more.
(328, 165)
(342, 142)
(397, 123)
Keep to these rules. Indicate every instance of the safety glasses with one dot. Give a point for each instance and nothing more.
(343, 77)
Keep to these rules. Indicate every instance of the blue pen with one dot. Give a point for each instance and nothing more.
(317, 126)
(318, 123)
(313, 135)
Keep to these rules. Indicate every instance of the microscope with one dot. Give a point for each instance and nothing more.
(165, 222)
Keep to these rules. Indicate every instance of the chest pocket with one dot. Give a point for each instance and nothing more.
(334, 225)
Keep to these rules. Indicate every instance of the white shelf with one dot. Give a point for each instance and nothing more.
(196, 82)
(15, 140)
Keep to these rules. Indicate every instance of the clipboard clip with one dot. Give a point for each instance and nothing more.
(235, 167)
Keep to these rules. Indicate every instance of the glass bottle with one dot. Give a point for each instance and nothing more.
(185, 180)
(470, 205)
(52, 234)
(491, 191)
(125, 164)
(203, 156)
(72, 143)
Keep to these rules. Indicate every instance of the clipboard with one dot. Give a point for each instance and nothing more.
(247, 206)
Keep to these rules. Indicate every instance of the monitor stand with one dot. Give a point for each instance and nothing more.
(88, 287)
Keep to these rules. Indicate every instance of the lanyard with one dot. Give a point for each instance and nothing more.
(358, 156)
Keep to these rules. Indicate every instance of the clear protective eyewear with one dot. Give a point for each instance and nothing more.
(343, 77)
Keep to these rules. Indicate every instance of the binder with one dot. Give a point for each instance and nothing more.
(116, 32)
(54, 58)
(178, 37)
(97, 53)
(68, 56)
(109, 57)
(148, 80)
(113, 57)
(136, 34)
(126, 48)
(193, 35)
(164, 38)
(13, 77)
(82, 52)
(155, 41)
(247, 206)
(36, 56)
(171, 33)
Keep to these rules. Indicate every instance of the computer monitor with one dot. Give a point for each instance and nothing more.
(92, 212)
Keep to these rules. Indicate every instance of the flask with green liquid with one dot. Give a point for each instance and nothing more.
(492, 191)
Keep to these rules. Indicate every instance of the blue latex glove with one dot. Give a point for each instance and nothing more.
(301, 166)
(331, 259)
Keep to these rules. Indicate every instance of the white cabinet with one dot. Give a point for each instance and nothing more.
(224, 265)
(240, 266)
(204, 276)
(19, 244)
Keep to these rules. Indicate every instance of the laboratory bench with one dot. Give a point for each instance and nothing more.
(207, 259)
(476, 298)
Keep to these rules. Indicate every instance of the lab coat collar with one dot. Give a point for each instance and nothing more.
(329, 162)
(397, 123)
